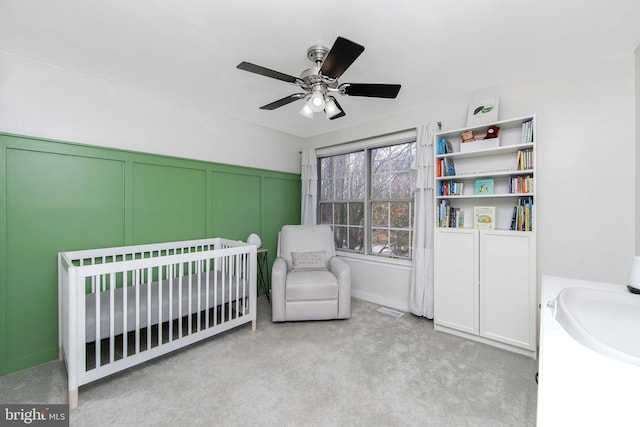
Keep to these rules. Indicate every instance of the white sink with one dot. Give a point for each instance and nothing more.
(605, 321)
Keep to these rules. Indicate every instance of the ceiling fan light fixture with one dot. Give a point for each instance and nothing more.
(306, 111)
(331, 109)
(316, 102)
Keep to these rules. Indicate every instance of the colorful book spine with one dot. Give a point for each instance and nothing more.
(527, 132)
(520, 184)
(448, 216)
(524, 159)
(450, 188)
(522, 218)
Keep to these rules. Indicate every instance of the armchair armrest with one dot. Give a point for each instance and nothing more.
(342, 271)
(278, 279)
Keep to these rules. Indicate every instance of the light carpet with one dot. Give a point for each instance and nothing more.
(371, 370)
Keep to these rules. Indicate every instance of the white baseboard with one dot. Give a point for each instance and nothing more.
(377, 299)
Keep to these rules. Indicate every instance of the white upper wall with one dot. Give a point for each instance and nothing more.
(41, 100)
(637, 235)
(586, 163)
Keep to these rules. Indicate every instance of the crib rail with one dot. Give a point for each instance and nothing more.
(122, 306)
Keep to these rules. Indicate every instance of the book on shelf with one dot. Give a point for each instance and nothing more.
(444, 146)
(483, 186)
(449, 217)
(450, 188)
(527, 132)
(520, 184)
(446, 167)
(524, 159)
(484, 217)
(522, 218)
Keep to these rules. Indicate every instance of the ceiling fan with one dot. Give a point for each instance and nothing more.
(320, 82)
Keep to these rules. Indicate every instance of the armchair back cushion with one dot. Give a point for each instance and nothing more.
(307, 242)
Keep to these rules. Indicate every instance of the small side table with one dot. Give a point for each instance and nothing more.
(264, 279)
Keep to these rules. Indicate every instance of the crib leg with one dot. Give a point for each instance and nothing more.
(253, 325)
(60, 354)
(73, 398)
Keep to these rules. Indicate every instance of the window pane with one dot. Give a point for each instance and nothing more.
(349, 199)
(400, 157)
(357, 187)
(379, 242)
(339, 166)
(339, 189)
(340, 237)
(356, 238)
(356, 213)
(379, 160)
(340, 213)
(399, 214)
(400, 186)
(326, 189)
(326, 213)
(400, 243)
(326, 168)
(379, 186)
(380, 214)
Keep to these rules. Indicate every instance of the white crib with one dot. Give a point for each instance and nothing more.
(118, 307)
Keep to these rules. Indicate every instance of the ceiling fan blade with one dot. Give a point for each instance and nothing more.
(284, 101)
(373, 90)
(253, 68)
(340, 57)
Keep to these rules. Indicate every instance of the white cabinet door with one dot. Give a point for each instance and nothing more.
(456, 279)
(507, 288)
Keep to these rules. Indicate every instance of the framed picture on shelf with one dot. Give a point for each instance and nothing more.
(483, 186)
(483, 112)
(484, 217)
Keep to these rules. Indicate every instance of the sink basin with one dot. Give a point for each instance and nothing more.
(605, 321)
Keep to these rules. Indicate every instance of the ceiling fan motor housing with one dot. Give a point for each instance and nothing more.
(317, 53)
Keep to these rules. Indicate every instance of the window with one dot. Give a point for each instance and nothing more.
(367, 198)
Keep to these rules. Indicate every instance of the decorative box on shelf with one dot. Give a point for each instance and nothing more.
(479, 144)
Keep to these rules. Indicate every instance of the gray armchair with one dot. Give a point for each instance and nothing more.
(308, 282)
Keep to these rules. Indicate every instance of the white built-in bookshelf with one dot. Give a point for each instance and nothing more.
(485, 234)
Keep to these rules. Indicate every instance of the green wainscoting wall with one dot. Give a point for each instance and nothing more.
(58, 196)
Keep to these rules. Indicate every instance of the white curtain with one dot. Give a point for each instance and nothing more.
(421, 298)
(309, 175)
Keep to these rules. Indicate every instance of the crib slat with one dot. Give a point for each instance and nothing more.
(190, 309)
(180, 300)
(137, 309)
(149, 279)
(236, 259)
(198, 316)
(215, 291)
(125, 313)
(160, 281)
(98, 307)
(207, 264)
(230, 282)
(112, 304)
(170, 273)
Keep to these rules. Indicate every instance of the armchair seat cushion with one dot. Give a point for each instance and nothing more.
(311, 286)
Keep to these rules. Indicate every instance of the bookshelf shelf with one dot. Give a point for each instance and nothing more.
(486, 196)
(485, 236)
(488, 152)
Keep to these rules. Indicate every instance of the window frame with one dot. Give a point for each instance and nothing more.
(368, 201)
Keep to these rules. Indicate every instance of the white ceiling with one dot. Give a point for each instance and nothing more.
(188, 50)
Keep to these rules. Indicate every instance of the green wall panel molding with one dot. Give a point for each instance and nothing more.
(169, 203)
(236, 205)
(58, 196)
